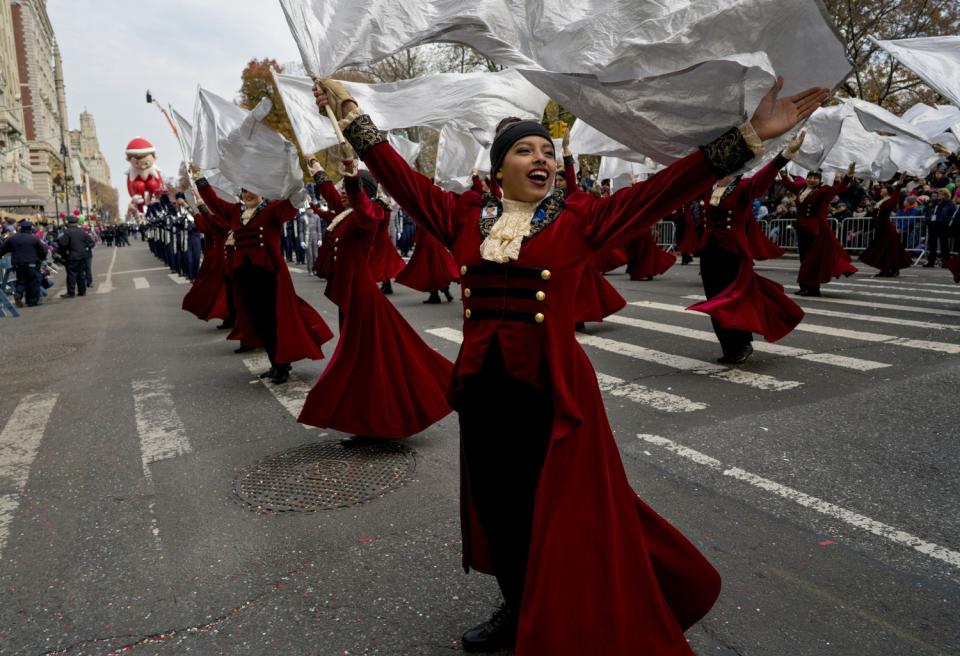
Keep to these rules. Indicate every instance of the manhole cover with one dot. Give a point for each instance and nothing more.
(325, 475)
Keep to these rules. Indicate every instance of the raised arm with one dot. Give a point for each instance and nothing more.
(433, 208)
(758, 184)
(569, 170)
(368, 214)
(216, 204)
(326, 188)
(791, 183)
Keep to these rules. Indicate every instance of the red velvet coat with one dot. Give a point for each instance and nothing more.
(385, 261)
(645, 259)
(826, 258)
(751, 302)
(431, 267)
(207, 296)
(885, 251)
(300, 329)
(687, 245)
(383, 380)
(606, 574)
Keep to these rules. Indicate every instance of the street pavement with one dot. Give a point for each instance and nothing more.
(820, 478)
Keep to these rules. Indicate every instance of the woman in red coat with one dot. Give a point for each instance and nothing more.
(431, 268)
(272, 315)
(821, 255)
(584, 565)
(645, 259)
(207, 296)
(739, 301)
(378, 356)
(885, 251)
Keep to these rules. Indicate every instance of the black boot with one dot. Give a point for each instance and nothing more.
(433, 299)
(243, 349)
(281, 373)
(358, 440)
(499, 632)
(737, 357)
(269, 373)
(386, 287)
(580, 326)
(446, 292)
(227, 323)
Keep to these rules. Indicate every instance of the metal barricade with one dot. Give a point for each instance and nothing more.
(913, 235)
(855, 233)
(835, 226)
(665, 233)
(764, 226)
(783, 233)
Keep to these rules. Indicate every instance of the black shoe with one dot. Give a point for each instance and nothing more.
(499, 632)
(269, 373)
(580, 326)
(225, 325)
(81, 293)
(686, 259)
(434, 299)
(386, 287)
(67, 295)
(446, 292)
(808, 292)
(358, 440)
(281, 374)
(244, 349)
(738, 357)
(18, 300)
(929, 265)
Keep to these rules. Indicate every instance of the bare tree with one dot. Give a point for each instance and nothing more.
(878, 77)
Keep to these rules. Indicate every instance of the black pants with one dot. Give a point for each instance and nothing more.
(805, 240)
(937, 238)
(77, 277)
(718, 268)
(231, 305)
(505, 428)
(258, 294)
(28, 280)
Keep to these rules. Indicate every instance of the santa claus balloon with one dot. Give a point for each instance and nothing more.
(143, 178)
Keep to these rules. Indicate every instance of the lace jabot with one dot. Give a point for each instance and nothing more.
(506, 236)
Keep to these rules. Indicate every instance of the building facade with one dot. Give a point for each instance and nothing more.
(14, 151)
(85, 145)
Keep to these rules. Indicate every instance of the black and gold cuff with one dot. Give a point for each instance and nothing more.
(320, 177)
(728, 153)
(363, 134)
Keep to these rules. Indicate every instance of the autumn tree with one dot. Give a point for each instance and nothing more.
(878, 77)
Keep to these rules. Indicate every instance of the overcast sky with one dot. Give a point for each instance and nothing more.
(114, 50)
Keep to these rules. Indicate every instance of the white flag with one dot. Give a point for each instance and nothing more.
(214, 117)
(933, 122)
(184, 134)
(255, 157)
(935, 60)
(458, 151)
(660, 77)
(472, 101)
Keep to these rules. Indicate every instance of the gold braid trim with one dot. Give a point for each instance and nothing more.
(363, 134)
(728, 152)
(320, 177)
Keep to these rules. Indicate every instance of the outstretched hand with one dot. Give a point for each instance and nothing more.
(852, 169)
(793, 146)
(332, 94)
(776, 116)
(941, 150)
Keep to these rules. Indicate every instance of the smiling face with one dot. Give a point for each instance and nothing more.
(528, 170)
(142, 161)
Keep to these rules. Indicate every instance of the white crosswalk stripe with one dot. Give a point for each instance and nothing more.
(140, 283)
(761, 347)
(683, 363)
(162, 435)
(898, 281)
(656, 399)
(896, 321)
(805, 326)
(291, 394)
(899, 288)
(887, 306)
(19, 443)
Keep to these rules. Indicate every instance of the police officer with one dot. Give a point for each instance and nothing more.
(27, 254)
(74, 244)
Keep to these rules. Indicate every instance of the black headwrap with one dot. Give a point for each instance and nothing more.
(510, 135)
(369, 183)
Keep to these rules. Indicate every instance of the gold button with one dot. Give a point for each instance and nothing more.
(545, 274)
(261, 228)
(336, 239)
(467, 314)
(463, 272)
(467, 292)
(335, 248)
(539, 318)
(334, 258)
(541, 296)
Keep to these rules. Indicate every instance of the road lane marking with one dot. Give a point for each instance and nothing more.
(886, 306)
(296, 270)
(162, 434)
(291, 394)
(857, 520)
(19, 443)
(662, 401)
(140, 283)
(833, 359)
(179, 280)
(128, 271)
(683, 363)
(107, 285)
(897, 288)
(866, 317)
(804, 326)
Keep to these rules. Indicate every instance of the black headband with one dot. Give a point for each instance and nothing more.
(511, 135)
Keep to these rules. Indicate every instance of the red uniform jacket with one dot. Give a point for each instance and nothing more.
(300, 329)
(207, 297)
(606, 574)
(885, 251)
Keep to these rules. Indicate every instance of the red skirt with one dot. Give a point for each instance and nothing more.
(953, 263)
(431, 267)
(596, 298)
(885, 252)
(385, 261)
(646, 259)
(382, 379)
(207, 296)
(825, 260)
(755, 304)
(610, 259)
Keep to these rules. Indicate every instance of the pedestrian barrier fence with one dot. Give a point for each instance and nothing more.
(665, 233)
(783, 233)
(855, 233)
